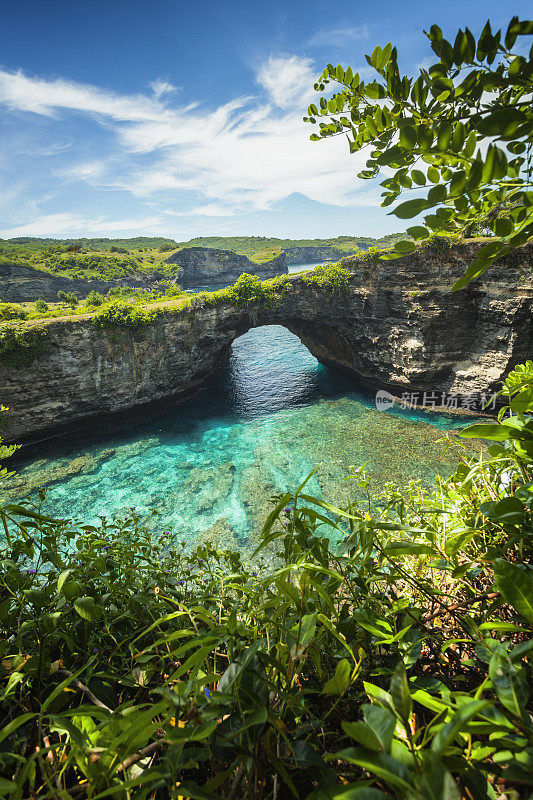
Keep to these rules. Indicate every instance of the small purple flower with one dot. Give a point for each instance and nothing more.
(254, 574)
(287, 509)
(207, 693)
(95, 649)
(31, 571)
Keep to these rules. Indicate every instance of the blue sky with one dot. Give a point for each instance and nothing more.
(129, 117)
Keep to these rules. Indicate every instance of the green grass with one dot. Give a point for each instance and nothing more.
(37, 244)
(259, 247)
(112, 259)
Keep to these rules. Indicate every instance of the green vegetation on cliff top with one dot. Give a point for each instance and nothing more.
(111, 259)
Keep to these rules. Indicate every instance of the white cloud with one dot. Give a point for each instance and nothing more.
(160, 87)
(249, 153)
(338, 37)
(287, 80)
(40, 96)
(68, 224)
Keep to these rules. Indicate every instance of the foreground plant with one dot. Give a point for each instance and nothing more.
(463, 127)
(378, 650)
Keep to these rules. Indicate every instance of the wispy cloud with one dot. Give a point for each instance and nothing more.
(160, 87)
(249, 153)
(23, 93)
(288, 80)
(70, 224)
(338, 37)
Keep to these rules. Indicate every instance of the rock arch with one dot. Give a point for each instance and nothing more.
(395, 325)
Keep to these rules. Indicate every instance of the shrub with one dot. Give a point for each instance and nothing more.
(172, 290)
(332, 276)
(69, 298)
(41, 306)
(124, 314)
(20, 344)
(94, 299)
(372, 254)
(440, 243)
(247, 290)
(125, 292)
(12, 311)
(380, 650)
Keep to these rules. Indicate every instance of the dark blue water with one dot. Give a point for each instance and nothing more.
(260, 426)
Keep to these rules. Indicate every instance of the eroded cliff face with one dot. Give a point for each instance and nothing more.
(205, 266)
(396, 325)
(312, 255)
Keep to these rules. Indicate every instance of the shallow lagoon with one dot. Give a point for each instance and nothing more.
(259, 426)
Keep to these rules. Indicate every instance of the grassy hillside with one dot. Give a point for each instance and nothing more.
(109, 259)
(256, 247)
(38, 245)
(74, 260)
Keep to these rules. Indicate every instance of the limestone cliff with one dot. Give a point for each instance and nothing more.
(312, 255)
(205, 266)
(396, 325)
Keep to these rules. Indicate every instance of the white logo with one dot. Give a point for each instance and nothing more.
(384, 400)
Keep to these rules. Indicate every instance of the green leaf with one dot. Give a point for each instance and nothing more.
(341, 680)
(382, 722)
(508, 682)
(381, 765)
(418, 232)
(418, 177)
(304, 631)
(516, 586)
(363, 734)
(522, 403)
(237, 667)
(497, 433)
(408, 137)
(437, 194)
(433, 175)
(400, 694)
(436, 782)
(87, 608)
(409, 209)
(457, 725)
(503, 227)
(12, 726)
(405, 246)
(62, 578)
(408, 549)
(509, 510)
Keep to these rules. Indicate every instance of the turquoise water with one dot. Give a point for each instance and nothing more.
(259, 426)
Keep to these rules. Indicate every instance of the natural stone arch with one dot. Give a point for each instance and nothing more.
(395, 325)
